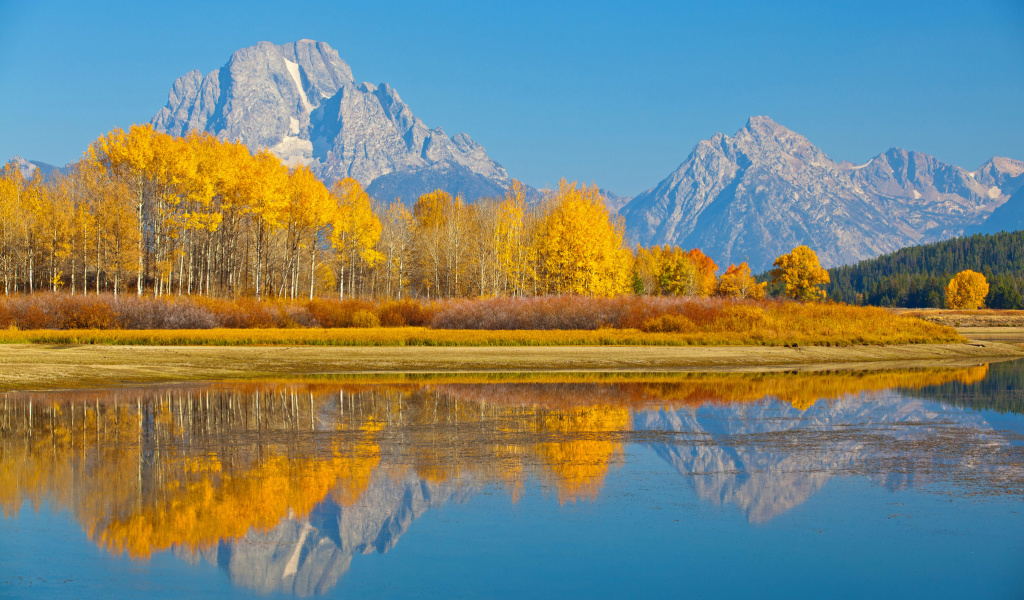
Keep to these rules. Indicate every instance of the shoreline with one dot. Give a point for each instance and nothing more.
(52, 367)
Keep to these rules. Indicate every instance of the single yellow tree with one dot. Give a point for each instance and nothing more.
(737, 282)
(356, 229)
(801, 273)
(580, 246)
(967, 290)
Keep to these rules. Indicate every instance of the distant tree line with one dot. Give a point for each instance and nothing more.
(916, 277)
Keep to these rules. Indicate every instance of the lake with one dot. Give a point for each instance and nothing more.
(845, 484)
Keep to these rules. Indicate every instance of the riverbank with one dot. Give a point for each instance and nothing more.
(46, 366)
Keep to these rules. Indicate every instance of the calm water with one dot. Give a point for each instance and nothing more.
(884, 484)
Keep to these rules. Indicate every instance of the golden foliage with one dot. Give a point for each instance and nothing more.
(967, 290)
(580, 246)
(801, 273)
(579, 465)
(668, 270)
(737, 282)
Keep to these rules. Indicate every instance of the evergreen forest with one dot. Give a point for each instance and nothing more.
(916, 277)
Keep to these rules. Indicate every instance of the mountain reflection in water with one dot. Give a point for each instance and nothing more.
(281, 484)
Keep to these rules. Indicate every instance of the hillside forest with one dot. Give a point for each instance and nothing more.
(916, 277)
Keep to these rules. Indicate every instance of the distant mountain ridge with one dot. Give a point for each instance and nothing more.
(301, 101)
(766, 189)
(28, 168)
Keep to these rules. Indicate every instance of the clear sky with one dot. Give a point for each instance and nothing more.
(610, 93)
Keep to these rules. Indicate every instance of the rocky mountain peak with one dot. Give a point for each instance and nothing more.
(766, 189)
(764, 139)
(1000, 171)
(301, 101)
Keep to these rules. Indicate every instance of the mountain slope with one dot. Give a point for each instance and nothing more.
(1008, 217)
(759, 193)
(301, 101)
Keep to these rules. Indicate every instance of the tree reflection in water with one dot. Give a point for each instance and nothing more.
(283, 483)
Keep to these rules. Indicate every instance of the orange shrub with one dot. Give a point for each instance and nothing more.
(399, 313)
(84, 312)
(337, 313)
(669, 324)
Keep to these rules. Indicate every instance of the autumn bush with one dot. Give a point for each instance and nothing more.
(337, 313)
(582, 312)
(546, 320)
(406, 312)
(668, 324)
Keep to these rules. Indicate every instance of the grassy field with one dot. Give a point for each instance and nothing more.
(901, 330)
(986, 317)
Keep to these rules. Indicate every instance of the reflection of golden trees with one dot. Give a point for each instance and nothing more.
(580, 463)
(676, 390)
(144, 470)
(176, 469)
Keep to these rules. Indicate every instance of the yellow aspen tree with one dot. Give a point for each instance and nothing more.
(395, 246)
(129, 157)
(737, 282)
(264, 181)
(967, 290)
(307, 216)
(679, 274)
(801, 273)
(456, 244)
(52, 222)
(431, 213)
(355, 231)
(119, 232)
(33, 204)
(13, 228)
(579, 246)
(224, 254)
(647, 266)
(515, 255)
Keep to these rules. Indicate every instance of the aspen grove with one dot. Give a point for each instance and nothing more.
(149, 213)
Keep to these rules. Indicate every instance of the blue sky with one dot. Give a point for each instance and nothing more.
(610, 93)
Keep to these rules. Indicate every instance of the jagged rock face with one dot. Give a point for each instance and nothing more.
(1008, 217)
(301, 101)
(759, 193)
(930, 200)
(1004, 173)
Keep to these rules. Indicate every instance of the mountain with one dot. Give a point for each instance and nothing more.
(1008, 217)
(766, 189)
(301, 101)
(28, 168)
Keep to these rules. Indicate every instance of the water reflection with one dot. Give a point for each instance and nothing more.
(281, 484)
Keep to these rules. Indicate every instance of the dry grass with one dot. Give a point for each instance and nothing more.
(967, 318)
(838, 334)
